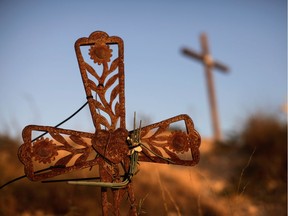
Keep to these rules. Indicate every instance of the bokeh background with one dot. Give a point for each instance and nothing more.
(40, 83)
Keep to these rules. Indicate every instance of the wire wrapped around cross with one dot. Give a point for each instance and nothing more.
(114, 149)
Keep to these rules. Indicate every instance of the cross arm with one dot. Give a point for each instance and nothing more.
(221, 67)
(61, 151)
(192, 54)
(165, 145)
(200, 57)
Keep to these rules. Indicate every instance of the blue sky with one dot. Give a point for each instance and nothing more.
(40, 81)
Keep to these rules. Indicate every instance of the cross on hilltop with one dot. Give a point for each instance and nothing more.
(209, 63)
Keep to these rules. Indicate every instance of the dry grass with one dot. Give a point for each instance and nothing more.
(244, 176)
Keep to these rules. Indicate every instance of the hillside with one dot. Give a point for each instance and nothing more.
(246, 175)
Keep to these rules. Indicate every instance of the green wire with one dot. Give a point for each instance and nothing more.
(114, 185)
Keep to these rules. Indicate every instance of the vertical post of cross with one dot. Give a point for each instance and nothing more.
(209, 64)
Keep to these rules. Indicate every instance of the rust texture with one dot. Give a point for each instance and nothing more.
(112, 148)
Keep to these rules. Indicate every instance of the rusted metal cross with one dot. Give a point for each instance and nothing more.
(114, 149)
(209, 64)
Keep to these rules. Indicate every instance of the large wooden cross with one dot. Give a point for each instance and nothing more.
(209, 64)
(114, 149)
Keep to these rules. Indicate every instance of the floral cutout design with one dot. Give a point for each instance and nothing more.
(111, 147)
(100, 53)
(44, 150)
(179, 142)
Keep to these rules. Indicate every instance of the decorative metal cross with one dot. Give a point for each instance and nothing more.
(112, 148)
(209, 64)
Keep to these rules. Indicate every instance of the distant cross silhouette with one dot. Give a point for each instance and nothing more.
(209, 64)
(115, 150)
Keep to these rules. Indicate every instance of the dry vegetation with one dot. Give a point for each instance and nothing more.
(246, 175)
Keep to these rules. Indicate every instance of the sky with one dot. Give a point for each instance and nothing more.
(40, 81)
